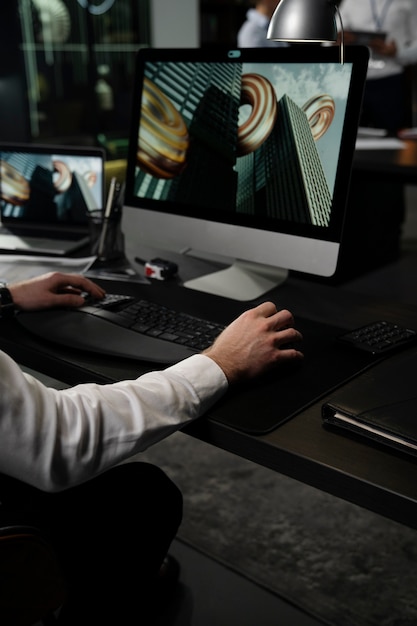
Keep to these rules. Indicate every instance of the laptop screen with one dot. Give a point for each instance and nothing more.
(50, 184)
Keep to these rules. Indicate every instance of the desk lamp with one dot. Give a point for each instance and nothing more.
(306, 21)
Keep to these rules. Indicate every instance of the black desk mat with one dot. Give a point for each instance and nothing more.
(267, 402)
(264, 404)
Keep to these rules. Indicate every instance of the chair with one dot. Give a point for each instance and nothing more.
(32, 586)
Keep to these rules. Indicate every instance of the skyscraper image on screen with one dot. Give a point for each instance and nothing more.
(259, 143)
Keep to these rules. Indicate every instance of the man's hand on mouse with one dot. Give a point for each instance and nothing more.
(255, 342)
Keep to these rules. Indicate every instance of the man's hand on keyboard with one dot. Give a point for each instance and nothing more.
(255, 342)
(53, 289)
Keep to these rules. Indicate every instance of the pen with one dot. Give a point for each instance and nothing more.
(107, 214)
(119, 198)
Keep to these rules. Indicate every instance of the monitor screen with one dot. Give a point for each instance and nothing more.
(246, 154)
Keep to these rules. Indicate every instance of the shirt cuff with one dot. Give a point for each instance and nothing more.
(206, 377)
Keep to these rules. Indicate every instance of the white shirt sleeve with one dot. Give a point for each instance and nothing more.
(54, 439)
(407, 45)
(399, 21)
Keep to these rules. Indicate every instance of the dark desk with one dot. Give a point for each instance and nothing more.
(376, 208)
(396, 165)
(382, 481)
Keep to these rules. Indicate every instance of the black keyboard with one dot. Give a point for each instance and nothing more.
(156, 320)
(122, 326)
(380, 337)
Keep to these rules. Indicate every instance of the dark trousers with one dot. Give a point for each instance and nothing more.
(111, 535)
(385, 103)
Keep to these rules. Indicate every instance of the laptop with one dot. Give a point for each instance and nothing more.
(46, 195)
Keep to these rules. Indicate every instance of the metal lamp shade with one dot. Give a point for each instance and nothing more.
(304, 20)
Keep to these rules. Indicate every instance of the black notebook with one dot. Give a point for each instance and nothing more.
(381, 405)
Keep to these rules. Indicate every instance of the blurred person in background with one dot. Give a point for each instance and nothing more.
(252, 33)
(389, 29)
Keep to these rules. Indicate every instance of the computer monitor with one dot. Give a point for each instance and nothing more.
(245, 155)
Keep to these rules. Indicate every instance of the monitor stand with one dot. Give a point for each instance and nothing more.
(242, 280)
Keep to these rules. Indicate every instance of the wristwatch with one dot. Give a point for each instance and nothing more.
(7, 306)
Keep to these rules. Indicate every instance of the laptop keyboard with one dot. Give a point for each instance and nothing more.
(38, 241)
(155, 320)
(39, 233)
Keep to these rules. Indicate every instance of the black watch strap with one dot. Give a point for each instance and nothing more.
(7, 306)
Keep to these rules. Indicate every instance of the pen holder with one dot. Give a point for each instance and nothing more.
(106, 236)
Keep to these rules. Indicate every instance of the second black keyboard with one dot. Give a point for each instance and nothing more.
(156, 320)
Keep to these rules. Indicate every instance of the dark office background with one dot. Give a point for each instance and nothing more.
(69, 79)
(67, 75)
